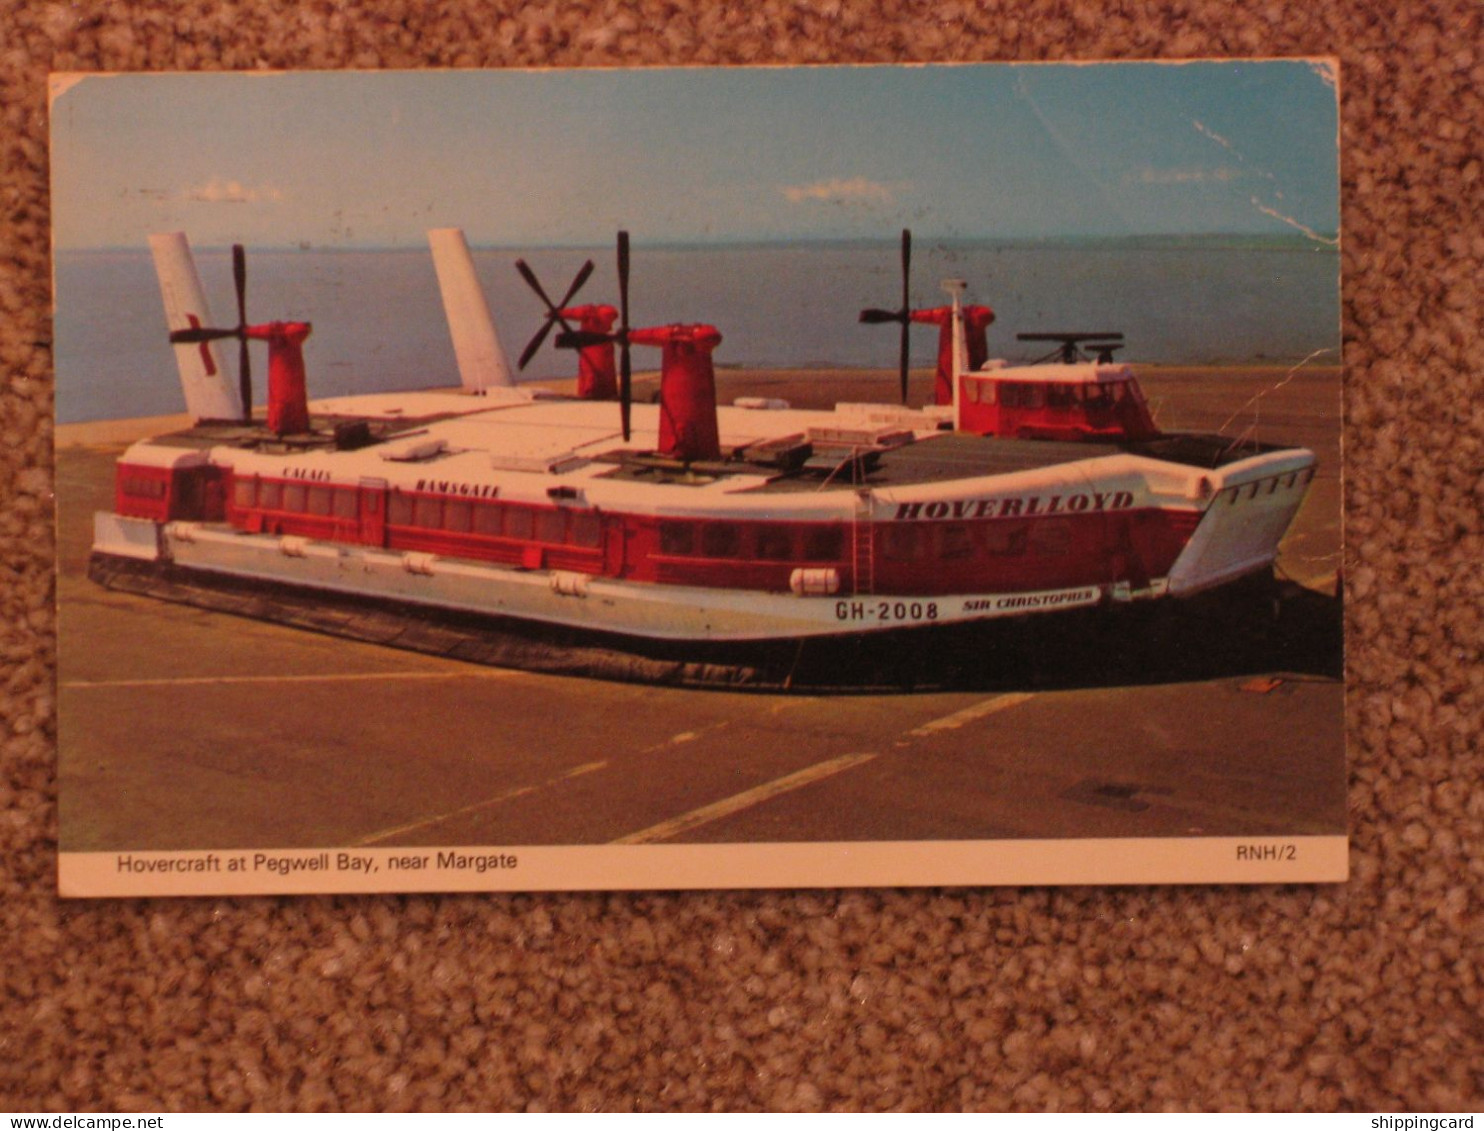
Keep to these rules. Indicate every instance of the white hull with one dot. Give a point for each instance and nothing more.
(577, 601)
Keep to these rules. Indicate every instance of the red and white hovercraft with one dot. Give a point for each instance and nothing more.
(512, 525)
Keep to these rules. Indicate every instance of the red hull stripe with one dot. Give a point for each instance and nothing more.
(919, 557)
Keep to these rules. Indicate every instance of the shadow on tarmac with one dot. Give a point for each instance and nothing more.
(1258, 626)
(1248, 630)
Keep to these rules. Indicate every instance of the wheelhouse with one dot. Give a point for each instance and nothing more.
(1055, 402)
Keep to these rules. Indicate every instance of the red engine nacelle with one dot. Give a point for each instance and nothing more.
(597, 375)
(688, 429)
(976, 338)
(288, 397)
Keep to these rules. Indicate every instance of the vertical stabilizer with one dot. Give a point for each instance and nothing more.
(481, 360)
(209, 394)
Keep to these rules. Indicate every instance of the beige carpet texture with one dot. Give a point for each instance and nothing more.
(1358, 996)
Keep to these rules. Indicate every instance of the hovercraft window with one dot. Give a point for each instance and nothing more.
(677, 538)
(823, 543)
(1019, 394)
(1097, 397)
(1061, 396)
(519, 523)
(720, 540)
(456, 515)
(318, 500)
(489, 520)
(244, 493)
(775, 543)
(587, 529)
(141, 488)
(551, 527)
(270, 495)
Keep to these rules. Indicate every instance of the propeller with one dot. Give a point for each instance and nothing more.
(876, 316)
(577, 339)
(198, 334)
(553, 310)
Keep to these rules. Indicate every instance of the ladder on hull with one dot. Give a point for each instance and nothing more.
(863, 544)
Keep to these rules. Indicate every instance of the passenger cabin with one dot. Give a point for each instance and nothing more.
(1069, 401)
(164, 484)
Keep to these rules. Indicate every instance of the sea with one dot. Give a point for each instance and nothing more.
(379, 326)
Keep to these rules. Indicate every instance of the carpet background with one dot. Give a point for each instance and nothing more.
(1365, 995)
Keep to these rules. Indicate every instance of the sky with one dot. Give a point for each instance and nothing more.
(547, 158)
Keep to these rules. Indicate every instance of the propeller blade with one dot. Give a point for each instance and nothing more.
(875, 316)
(906, 303)
(906, 265)
(905, 328)
(531, 281)
(239, 280)
(535, 344)
(582, 274)
(196, 334)
(625, 388)
(581, 339)
(244, 380)
(626, 372)
(244, 368)
(623, 276)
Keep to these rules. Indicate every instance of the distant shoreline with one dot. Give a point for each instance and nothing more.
(1213, 241)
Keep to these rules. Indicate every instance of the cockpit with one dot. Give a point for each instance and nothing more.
(1055, 402)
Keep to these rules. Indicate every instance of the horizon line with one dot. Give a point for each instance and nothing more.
(1325, 241)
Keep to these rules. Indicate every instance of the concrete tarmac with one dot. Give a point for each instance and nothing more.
(187, 729)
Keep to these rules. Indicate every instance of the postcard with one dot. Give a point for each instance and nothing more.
(693, 478)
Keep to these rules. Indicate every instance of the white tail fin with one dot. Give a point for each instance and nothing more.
(209, 394)
(482, 362)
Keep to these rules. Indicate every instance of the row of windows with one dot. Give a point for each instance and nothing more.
(770, 542)
(914, 542)
(1040, 394)
(552, 525)
(141, 488)
(898, 541)
(431, 512)
(301, 498)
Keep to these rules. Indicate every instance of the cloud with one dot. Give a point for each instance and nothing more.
(856, 190)
(222, 190)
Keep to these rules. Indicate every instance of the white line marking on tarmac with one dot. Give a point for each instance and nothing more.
(333, 677)
(488, 802)
(585, 768)
(744, 800)
(969, 714)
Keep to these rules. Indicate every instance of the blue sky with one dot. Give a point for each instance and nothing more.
(521, 158)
